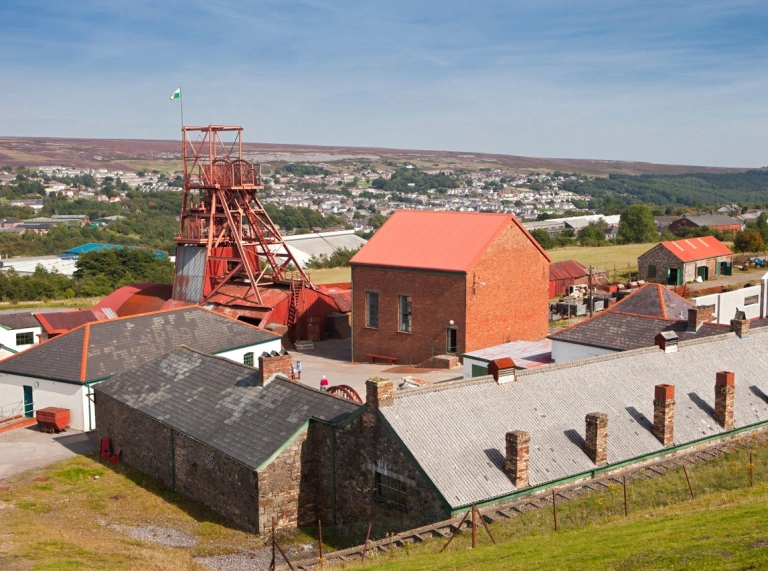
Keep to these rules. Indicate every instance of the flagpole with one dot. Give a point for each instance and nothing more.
(181, 104)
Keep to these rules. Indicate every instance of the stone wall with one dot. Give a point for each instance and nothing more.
(362, 449)
(287, 486)
(197, 471)
(145, 443)
(663, 259)
(226, 486)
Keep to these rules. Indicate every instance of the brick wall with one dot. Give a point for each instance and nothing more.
(512, 305)
(438, 298)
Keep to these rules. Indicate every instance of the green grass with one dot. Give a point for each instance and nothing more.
(623, 257)
(724, 527)
(330, 276)
(75, 303)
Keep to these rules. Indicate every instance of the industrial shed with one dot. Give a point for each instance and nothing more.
(221, 434)
(62, 371)
(564, 274)
(432, 283)
(682, 261)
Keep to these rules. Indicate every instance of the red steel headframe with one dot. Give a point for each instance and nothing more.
(220, 211)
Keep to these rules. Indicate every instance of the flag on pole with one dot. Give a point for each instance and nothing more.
(176, 94)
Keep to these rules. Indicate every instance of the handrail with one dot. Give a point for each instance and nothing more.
(11, 412)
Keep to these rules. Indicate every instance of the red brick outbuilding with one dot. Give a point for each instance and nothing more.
(430, 283)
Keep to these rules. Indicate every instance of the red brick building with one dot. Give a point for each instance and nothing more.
(430, 283)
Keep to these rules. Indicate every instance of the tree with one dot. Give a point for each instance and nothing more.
(591, 235)
(543, 238)
(749, 241)
(637, 225)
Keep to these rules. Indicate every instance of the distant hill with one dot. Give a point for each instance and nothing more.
(135, 154)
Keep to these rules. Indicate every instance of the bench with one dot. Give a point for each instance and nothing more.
(372, 357)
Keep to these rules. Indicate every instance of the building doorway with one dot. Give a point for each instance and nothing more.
(726, 269)
(29, 405)
(451, 341)
(703, 272)
(673, 276)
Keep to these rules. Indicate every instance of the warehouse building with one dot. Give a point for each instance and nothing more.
(682, 261)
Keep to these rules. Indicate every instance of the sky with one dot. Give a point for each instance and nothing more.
(677, 82)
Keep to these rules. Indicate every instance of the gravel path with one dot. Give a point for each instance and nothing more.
(156, 534)
(253, 561)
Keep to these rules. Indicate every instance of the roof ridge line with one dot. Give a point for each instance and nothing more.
(661, 301)
(84, 356)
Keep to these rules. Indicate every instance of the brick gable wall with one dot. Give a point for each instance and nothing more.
(512, 305)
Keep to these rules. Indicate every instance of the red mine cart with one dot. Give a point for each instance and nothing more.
(53, 419)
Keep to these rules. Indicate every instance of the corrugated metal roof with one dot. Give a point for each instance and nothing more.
(136, 298)
(456, 432)
(63, 321)
(692, 249)
(431, 240)
(569, 269)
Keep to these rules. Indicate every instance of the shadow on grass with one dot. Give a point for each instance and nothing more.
(193, 508)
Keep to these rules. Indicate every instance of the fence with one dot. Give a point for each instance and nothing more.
(723, 466)
(14, 411)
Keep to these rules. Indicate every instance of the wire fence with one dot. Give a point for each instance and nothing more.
(724, 467)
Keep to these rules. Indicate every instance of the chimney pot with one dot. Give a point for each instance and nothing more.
(517, 458)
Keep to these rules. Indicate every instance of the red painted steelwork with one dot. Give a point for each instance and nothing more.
(345, 392)
(221, 213)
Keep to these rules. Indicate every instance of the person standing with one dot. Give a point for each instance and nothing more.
(323, 383)
(298, 370)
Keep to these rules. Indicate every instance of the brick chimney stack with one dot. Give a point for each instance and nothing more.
(378, 393)
(664, 414)
(272, 363)
(725, 391)
(596, 442)
(516, 464)
(698, 316)
(740, 324)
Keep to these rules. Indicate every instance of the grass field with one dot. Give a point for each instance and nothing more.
(330, 276)
(75, 303)
(623, 257)
(75, 521)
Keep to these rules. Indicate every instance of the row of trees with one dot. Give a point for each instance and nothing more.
(98, 273)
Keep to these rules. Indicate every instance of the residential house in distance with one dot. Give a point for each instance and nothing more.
(724, 224)
(232, 437)
(682, 261)
(62, 371)
(634, 323)
(431, 283)
(18, 332)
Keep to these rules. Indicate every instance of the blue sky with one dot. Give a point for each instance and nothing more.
(661, 81)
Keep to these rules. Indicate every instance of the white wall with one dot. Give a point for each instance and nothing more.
(562, 352)
(49, 393)
(469, 361)
(8, 337)
(236, 355)
(727, 303)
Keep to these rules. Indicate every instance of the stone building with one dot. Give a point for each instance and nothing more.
(431, 283)
(224, 434)
(682, 261)
(724, 224)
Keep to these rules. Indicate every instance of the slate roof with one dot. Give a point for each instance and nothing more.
(102, 349)
(456, 433)
(714, 220)
(18, 320)
(218, 403)
(433, 240)
(636, 320)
